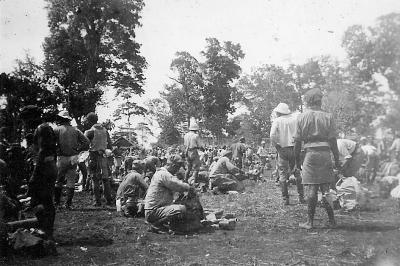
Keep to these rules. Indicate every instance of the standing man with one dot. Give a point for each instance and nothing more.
(98, 163)
(317, 130)
(159, 206)
(283, 130)
(192, 144)
(262, 152)
(71, 142)
(238, 152)
(43, 178)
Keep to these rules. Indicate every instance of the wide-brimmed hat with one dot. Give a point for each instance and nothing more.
(194, 126)
(64, 115)
(282, 108)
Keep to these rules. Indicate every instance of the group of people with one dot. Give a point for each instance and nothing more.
(306, 144)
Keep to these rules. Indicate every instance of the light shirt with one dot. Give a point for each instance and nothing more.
(192, 140)
(262, 151)
(283, 130)
(346, 147)
(161, 190)
(369, 150)
(223, 166)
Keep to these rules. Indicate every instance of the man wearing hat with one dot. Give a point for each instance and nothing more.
(238, 152)
(132, 190)
(282, 133)
(71, 142)
(316, 129)
(225, 176)
(98, 163)
(371, 159)
(192, 144)
(42, 180)
(159, 206)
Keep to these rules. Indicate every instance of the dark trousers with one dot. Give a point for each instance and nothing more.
(286, 164)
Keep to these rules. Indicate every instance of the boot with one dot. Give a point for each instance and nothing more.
(70, 195)
(57, 195)
(331, 222)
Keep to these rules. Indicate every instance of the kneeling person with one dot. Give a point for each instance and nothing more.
(159, 207)
(225, 176)
(132, 190)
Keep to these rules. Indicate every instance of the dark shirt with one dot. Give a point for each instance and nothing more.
(238, 150)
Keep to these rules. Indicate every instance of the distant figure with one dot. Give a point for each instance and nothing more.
(238, 152)
(395, 148)
(192, 144)
(371, 159)
(98, 163)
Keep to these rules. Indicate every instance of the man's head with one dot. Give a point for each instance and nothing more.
(174, 163)
(138, 166)
(31, 116)
(91, 118)
(363, 140)
(282, 109)
(63, 117)
(242, 140)
(313, 97)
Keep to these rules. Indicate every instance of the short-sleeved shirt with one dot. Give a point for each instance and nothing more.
(161, 190)
(283, 130)
(223, 166)
(130, 187)
(192, 140)
(70, 140)
(315, 128)
(238, 150)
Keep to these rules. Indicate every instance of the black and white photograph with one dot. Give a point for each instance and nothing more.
(199, 132)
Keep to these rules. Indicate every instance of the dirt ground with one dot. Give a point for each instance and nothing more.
(267, 233)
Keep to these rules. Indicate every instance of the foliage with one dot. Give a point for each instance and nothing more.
(92, 44)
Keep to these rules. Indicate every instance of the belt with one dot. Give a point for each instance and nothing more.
(195, 148)
(316, 144)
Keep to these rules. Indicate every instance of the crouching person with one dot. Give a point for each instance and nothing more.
(131, 191)
(159, 207)
(224, 176)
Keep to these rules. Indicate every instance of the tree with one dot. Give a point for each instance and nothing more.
(262, 91)
(91, 45)
(220, 69)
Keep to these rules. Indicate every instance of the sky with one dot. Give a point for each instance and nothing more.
(269, 31)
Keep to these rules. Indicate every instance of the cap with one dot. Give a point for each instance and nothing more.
(313, 96)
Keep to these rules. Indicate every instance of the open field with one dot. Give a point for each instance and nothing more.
(267, 233)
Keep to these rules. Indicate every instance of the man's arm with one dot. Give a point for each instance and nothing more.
(335, 151)
(297, 153)
(274, 135)
(109, 143)
(175, 184)
(83, 140)
(89, 134)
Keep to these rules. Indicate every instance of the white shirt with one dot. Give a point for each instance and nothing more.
(283, 130)
(346, 147)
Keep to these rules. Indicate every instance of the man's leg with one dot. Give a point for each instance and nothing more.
(188, 168)
(283, 170)
(297, 175)
(70, 176)
(61, 171)
(83, 169)
(161, 216)
(312, 198)
(327, 206)
(106, 180)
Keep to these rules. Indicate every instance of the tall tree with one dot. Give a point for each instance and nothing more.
(220, 69)
(92, 44)
(263, 90)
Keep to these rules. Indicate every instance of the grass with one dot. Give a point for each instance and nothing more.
(267, 233)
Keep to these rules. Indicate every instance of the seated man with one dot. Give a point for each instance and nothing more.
(150, 167)
(132, 190)
(159, 207)
(224, 175)
(350, 156)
